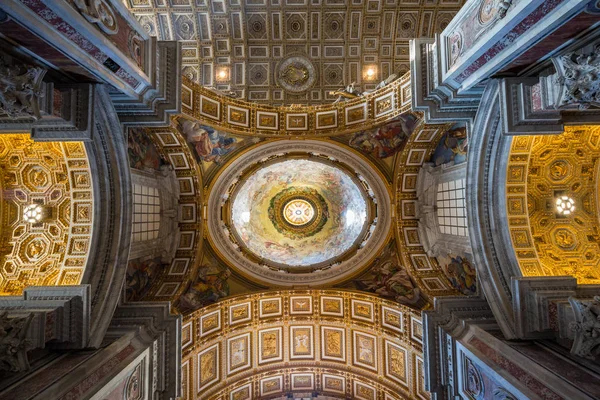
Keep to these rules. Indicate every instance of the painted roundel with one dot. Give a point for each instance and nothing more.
(299, 212)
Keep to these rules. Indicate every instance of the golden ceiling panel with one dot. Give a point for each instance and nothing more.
(334, 342)
(426, 270)
(290, 51)
(540, 169)
(248, 118)
(48, 184)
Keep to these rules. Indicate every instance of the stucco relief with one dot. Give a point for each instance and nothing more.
(20, 90)
(578, 80)
(99, 12)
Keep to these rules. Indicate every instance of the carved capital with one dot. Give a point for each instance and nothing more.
(14, 344)
(578, 80)
(586, 327)
(20, 90)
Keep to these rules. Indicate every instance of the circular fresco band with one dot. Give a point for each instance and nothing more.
(232, 233)
(295, 248)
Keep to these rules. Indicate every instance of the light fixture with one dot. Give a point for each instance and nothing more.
(33, 213)
(565, 205)
(369, 72)
(222, 74)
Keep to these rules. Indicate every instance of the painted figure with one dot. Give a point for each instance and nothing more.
(390, 280)
(452, 147)
(207, 144)
(142, 152)
(462, 275)
(208, 288)
(386, 140)
(140, 275)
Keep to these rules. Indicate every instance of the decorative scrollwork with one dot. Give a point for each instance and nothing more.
(13, 342)
(586, 327)
(20, 91)
(578, 79)
(99, 12)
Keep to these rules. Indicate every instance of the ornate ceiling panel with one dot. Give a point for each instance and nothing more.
(171, 281)
(50, 185)
(292, 51)
(540, 169)
(336, 343)
(243, 117)
(418, 149)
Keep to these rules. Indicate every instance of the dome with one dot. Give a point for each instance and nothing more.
(299, 212)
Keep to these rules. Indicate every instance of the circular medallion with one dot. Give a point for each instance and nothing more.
(296, 74)
(298, 212)
(456, 46)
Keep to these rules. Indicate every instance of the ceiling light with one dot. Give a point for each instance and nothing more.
(369, 72)
(222, 73)
(32, 213)
(565, 205)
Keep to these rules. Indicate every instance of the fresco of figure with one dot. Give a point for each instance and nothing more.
(386, 140)
(207, 144)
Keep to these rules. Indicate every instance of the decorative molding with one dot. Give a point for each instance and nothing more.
(99, 12)
(163, 98)
(46, 316)
(577, 80)
(438, 101)
(486, 209)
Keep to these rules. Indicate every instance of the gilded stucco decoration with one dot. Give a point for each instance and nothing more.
(188, 145)
(541, 169)
(242, 117)
(338, 343)
(238, 46)
(167, 146)
(56, 178)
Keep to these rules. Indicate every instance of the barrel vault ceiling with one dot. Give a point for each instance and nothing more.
(251, 39)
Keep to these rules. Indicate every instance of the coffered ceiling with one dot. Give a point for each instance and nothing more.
(330, 43)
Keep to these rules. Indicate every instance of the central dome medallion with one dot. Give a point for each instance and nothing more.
(298, 212)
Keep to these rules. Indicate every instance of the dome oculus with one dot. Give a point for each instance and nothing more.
(298, 212)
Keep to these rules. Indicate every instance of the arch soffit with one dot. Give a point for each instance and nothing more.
(487, 162)
(245, 118)
(351, 336)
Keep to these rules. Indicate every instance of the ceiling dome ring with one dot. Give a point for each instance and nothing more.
(302, 231)
(225, 238)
